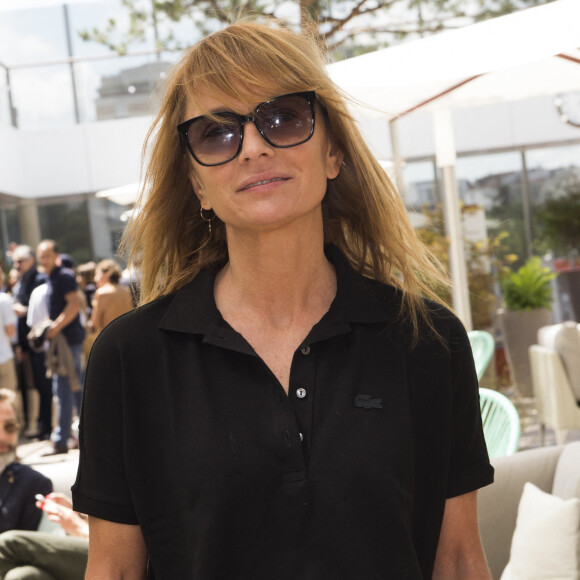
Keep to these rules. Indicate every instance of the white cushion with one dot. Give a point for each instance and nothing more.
(568, 347)
(547, 335)
(564, 338)
(545, 544)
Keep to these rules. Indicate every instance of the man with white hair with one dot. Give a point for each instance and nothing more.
(18, 483)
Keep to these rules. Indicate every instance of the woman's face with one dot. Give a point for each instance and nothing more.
(264, 187)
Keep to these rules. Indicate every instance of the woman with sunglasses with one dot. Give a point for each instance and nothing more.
(286, 404)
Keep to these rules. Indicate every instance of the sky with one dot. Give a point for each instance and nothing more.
(6, 5)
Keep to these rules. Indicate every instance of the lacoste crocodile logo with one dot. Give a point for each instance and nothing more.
(367, 402)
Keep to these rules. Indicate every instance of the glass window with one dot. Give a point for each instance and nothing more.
(43, 96)
(119, 87)
(36, 34)
(67, 224)
(108, 221)
(420, 184)
(494, 182)
(9, 225)
(554, 180)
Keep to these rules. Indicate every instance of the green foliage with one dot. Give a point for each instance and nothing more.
(559, 221)
(529, 287)
(336, 22)
(486, 261)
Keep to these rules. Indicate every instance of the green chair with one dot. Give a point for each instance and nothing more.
(482, 347)
(501, 423)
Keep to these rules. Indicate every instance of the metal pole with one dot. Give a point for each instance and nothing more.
(445, 158)
(397, 159)
(526, 205)
(4, 222)
(13, 112)
(72, 68)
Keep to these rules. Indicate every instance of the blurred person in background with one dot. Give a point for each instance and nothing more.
(111, 298)
(47, 556)
(37, 402)
(18, 483)
(8, 321)
(66, 332)
(86, 281)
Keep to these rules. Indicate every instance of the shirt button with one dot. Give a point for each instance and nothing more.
(301, 436)
(300, 393)
(305, 350)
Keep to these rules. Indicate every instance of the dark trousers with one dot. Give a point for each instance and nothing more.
(44, 387)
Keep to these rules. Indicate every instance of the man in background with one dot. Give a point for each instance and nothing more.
(24, 263)
(67, 332)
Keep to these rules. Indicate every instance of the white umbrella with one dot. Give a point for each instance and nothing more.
(123, 195)
(528, 53)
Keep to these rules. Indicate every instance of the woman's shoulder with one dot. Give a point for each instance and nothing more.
(436, 321)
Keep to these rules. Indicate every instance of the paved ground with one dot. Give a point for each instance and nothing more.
(61, 469)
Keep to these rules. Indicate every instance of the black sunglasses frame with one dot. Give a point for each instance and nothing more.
(182, 128)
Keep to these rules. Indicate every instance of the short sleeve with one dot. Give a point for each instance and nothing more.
(101, 488)
(67, 283)
(8, 315)
(470, 468)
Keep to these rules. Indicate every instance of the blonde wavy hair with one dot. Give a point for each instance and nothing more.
(363, 214)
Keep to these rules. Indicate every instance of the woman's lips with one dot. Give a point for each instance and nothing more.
(260, 182)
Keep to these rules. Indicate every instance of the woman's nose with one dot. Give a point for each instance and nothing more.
(253, 144)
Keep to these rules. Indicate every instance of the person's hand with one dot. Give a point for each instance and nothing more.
(58, 508)
(19, 309)
(59, 498)
(52, 331)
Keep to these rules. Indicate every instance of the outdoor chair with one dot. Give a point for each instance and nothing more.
(483, 347)
(557, 405)
(501, 423)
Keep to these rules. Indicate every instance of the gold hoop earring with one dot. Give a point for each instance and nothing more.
(208, 220)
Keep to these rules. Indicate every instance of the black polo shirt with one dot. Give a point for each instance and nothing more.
(186, 432)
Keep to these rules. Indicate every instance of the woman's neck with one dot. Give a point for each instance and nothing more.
(276, 276)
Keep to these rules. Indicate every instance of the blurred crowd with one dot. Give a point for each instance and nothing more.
(51, 311)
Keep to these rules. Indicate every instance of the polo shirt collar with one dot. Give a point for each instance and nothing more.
(358, 300)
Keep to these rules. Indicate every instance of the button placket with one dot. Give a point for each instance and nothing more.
(301, 394)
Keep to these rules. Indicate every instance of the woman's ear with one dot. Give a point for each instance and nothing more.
(334, 160)
(198, 191)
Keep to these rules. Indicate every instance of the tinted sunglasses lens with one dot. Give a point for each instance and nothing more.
(286, 121)
(214, 141)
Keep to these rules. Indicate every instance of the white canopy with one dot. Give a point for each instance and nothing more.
(123, 195)
(527, 53)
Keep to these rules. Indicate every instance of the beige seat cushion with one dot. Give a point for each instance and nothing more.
(564, 338)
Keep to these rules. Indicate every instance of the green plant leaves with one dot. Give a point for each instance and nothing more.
(528, 288)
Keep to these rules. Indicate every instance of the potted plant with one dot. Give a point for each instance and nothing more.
(527, 294)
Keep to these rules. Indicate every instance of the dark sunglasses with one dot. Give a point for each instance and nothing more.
(10, 427)
(283, 122)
